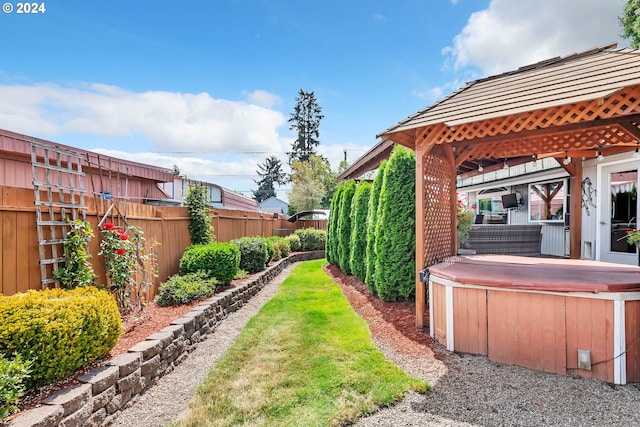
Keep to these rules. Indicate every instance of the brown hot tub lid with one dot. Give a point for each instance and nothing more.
(543, 274)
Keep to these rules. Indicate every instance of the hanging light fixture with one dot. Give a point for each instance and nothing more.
(567, 159)
(535, 160)
(505, 165)
(636, 154)
(600, 156)
(480, 168)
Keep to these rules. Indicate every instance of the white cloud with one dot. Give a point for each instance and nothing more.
(511, 33)
(170, 121)
(263, 98)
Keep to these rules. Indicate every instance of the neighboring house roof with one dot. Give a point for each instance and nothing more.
(589, 75)
(273, 201)
(218, 195)
(17, 145)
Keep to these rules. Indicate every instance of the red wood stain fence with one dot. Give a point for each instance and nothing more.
(166, 225)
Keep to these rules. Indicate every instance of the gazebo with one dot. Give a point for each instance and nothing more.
(570, 108)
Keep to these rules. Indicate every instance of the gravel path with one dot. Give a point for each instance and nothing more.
(467, 390)
(165, 401)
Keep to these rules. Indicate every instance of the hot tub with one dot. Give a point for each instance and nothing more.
(539, 312)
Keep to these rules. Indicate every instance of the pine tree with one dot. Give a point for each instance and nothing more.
(305, 120)
(271, 174)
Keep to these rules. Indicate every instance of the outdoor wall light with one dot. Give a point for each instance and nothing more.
(480, 168)
(505, 165)
(567, 159)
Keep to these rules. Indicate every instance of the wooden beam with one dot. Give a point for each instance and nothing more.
(575, 209)
(420, 236)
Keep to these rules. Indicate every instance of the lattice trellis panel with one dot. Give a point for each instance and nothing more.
(620, 104)
(591, 138)
(439, 226)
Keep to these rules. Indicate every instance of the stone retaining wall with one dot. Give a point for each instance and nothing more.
(107, 389)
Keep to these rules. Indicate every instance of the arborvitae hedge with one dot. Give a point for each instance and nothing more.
(332, 225)
(370, 255)
(395, 228)
(359, 209)
(344, 227)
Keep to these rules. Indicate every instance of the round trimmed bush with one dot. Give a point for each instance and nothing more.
(281, 247)
(312, 239)
(219, 260)
(253, 253)
(294, 242)
(58, 331)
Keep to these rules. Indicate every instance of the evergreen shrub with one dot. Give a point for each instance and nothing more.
(294, 242)
(186, 288)
(332, 225)
(281, 247)
(312, 239)
(344, 227)
(370, 253)
(57, 330)
(395, 228)
(253, 253)
(219, 260)
(359, 209)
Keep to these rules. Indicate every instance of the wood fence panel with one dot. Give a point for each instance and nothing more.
(167, 225)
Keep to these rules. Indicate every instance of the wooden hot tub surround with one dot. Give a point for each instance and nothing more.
(538, 312)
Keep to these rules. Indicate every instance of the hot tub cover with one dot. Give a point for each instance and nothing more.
(545, 274)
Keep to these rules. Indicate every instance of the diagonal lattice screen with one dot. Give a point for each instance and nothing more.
(440, 227)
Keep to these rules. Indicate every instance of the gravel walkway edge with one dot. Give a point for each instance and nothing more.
(166, 400)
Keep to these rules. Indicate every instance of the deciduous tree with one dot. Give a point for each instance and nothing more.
(630, 22)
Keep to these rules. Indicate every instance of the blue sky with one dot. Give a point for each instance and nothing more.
(209, 85)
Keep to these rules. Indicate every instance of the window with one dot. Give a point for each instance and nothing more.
(547, 201)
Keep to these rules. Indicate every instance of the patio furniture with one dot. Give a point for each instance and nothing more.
(506, 239)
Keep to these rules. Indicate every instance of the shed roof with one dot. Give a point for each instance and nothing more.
(594, 74)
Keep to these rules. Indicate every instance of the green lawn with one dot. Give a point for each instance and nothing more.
(306, 359)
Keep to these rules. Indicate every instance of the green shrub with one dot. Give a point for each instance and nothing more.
(359, 208)
(59, 331)
(294, 242)
(332, 225)
(219, 260)
(76, 269)
(199, 222)
(12, 375)
(281, 247)
(253, 253)
(184, 289)
(395, 228)
(344, 227)
(312, 239)
(370, 256)
(271, 251)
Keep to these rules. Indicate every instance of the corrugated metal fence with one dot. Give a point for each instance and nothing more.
(165, 225)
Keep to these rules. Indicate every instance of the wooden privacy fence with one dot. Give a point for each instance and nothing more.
(166, 225)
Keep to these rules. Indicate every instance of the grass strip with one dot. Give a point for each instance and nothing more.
(306, 359)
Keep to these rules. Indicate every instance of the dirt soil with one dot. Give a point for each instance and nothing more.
(390, 321)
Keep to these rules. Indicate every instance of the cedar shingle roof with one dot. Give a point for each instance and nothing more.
(589, 75)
